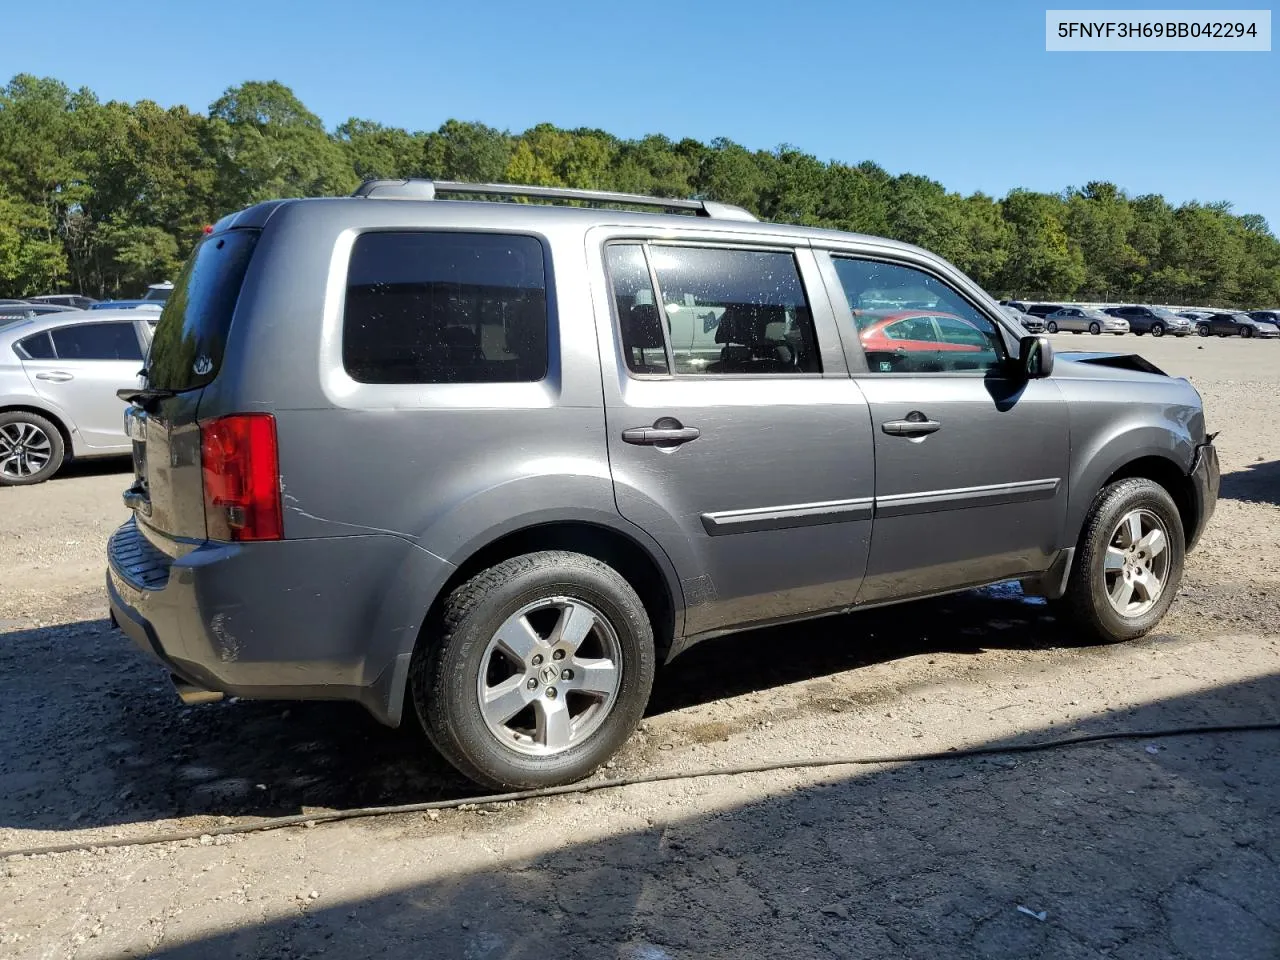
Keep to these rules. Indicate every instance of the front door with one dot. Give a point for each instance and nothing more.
(92, 361)
(736, 438)
(971, 460)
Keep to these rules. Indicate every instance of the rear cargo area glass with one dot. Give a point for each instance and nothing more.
(186, 352)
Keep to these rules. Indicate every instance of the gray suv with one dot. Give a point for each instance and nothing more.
(493, 462)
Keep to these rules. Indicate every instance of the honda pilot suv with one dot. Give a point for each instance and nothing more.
(492, 462)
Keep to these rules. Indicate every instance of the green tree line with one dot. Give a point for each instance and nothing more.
(104, 198)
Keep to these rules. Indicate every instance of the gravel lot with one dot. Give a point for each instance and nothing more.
(1131, 849)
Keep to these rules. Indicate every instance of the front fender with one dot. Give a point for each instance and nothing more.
(1107, 453)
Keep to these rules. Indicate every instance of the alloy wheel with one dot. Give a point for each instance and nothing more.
(1136, 566)
(25, 450)
(549, 676)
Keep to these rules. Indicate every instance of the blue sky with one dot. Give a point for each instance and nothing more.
(962, 93)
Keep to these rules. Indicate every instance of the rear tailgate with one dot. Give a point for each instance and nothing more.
(186, 354)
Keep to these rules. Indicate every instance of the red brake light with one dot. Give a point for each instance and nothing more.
(208, 228)
(241, 477)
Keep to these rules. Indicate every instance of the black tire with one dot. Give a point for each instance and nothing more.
(1246, 332)
(1157, 329)
(48, 438)
(1202, 329)
(1051, 327)
(1095, 328)
(446, 668)
(1086, 601)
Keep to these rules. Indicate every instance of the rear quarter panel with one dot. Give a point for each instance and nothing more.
(447, 467)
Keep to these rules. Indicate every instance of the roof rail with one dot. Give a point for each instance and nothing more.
(418, 189)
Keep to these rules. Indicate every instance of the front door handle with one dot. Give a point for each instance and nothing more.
(666, 432)
(57, 376)
(916, 425)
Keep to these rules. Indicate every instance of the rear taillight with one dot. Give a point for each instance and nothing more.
(241, 477)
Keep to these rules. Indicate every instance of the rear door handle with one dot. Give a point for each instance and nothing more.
(660, 435)
(57, 376)
(910, 428)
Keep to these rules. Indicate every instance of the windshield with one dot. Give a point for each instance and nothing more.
(192, 330)
(158, 293)
(1164, 312)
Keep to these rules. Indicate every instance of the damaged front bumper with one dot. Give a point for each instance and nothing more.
(1206, 478)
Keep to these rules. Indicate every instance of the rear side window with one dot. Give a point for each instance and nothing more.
(436, 307)
(37, 347)
(97, 341)
(191, 335)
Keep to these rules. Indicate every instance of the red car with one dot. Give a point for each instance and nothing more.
(923, 340)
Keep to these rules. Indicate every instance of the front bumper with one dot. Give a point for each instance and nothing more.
(333, 618)
(1206, 478)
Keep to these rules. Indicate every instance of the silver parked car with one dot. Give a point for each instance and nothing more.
(493, 462)
(1029, 321)
(59, 375)
(1084, 320)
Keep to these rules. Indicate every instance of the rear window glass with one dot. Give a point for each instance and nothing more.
(192, 332)
(436, 307)
(97, 341)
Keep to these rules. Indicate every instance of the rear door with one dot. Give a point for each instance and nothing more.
(91, 362)
(740, 445)
(971, 460)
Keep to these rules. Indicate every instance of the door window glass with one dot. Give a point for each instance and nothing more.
(734, 311)
(879, 295)
(97, 341)
(639, 319)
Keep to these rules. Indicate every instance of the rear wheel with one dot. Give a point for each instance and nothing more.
(1128, 563)
(1095, 328)
(541, 671)
(31, 448)
(1051, 327)
(1157, 329)
(1202, 329)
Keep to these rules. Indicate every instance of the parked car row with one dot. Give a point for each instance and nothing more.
(1157, 321)
(154, 298)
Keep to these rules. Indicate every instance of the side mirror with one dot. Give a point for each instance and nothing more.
(1035, 357)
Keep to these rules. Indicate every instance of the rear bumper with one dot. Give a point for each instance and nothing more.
(333, 618)
(1206, 477)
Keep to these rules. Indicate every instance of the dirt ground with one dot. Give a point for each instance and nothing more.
(1132, 849)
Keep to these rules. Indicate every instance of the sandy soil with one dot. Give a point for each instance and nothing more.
(1132, 849)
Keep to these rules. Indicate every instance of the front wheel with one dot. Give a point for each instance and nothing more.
(1095, 328)
(1157, 329)
(1128, 562)
(1202, 330)
(1051, 327)
(1246, 332)
(540, 671)
(31, 448)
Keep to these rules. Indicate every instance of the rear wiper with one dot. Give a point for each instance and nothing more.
(144, 396)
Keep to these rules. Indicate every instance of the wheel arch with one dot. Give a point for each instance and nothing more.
(1169, 475)
(652, 579)
(52, 416)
